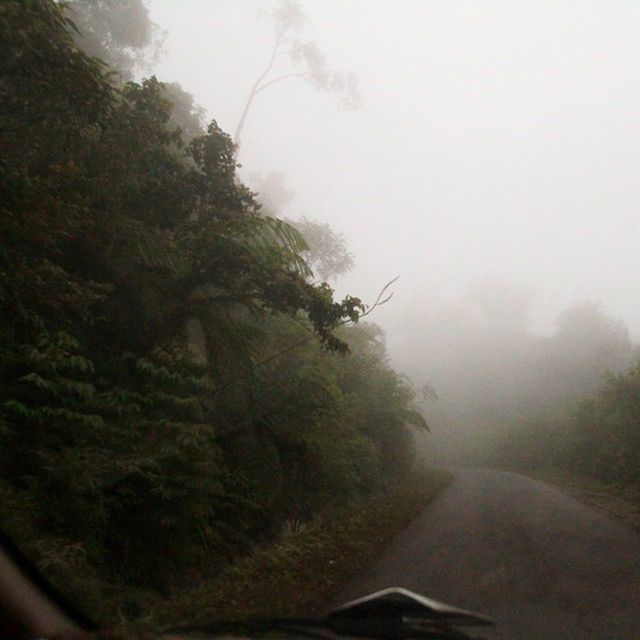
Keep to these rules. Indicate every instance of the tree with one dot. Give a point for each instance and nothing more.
(606, 431)
(306, 62)
(328, 254)
(119, 32)
(586, 344)
(186, 114)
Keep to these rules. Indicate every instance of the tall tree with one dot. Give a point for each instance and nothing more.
(306, 62)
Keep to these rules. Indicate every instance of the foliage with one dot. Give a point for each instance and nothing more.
(301, 570)
(496, 379)
(606, 432)
(119, 32)
(328, 255)
(173, 386)
(186, 114)
(597, 439)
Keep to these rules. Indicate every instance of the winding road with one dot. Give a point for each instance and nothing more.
(543, 565)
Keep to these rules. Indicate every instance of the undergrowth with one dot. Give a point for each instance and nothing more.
(301, 571)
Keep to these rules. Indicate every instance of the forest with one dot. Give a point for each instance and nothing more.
(176, 384)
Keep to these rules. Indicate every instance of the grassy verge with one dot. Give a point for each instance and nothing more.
(299, 573)
(577, 482)
(617, 501)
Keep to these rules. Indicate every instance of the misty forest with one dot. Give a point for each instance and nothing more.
(191, 374)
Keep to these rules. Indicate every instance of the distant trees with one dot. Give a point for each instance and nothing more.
(327, 255)
(571, 363)
(596, 437)
(186, 115)
(494, 376)
(568, 401)
(118, 32)
(605, 434)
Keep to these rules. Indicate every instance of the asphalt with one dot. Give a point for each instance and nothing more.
(539, 562)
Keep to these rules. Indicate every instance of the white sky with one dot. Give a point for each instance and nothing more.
(497, 139)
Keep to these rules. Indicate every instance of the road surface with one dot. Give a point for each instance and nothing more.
(545, 566)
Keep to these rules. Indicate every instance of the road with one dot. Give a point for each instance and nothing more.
(545, 566)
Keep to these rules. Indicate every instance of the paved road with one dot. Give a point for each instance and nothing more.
(542, 564)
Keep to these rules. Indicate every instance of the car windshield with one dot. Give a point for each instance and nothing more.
(305, 299)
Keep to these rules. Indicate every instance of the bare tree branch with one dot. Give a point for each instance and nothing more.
(298, 343)
(252, 95)
(287, 17)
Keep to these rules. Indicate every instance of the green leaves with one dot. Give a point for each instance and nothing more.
(605, 438)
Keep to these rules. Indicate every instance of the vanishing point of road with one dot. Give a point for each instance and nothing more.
(543, 565)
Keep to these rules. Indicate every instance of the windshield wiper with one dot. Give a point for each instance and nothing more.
(393, 613)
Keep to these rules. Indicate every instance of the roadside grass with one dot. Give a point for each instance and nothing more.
(620, 502)
(575, 481)
(300, 572)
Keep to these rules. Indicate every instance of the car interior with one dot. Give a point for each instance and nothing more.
(29, 606)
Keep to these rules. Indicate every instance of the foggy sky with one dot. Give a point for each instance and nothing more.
(496, 140)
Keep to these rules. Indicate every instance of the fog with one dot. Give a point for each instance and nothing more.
(493, 158)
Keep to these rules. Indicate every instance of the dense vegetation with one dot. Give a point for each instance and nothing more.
(174, 384)
(596, 438)
(567, 403)
(494, 376)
